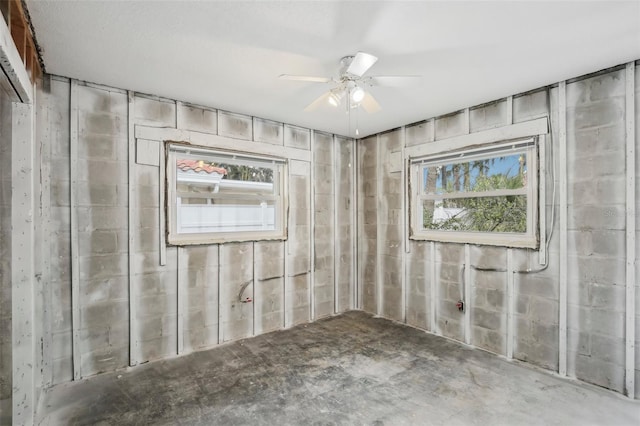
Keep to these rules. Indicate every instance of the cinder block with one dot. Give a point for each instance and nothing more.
(149, 328)
(198, 119)
(600, 270)
(578, 343)
(543, 310)
(94, 291)
(490, 340)
(417, 312)
(586, 218)
(102, 100)
(606, 191)
(599, 114)
(534, 285)
(450, 253)
(103, 266)
(450, 125)
(488, 116)
(536, 353)
(62, 370)
(94, 338)
(101, 194)
(607, 322)
(597, 166)
(96, 123)
(596, 140)
(157, 306)
(99, 314)
(418, 133)
(154, 112)
(608, 375)
(158, 348)
(391, 141)
(119, 333)
(299, 168)
(605, 86)
(61, 345)
(323, 143)
(608, 349)
(100, 242)
(60, 193)
(235, 125)
(297, 137)
(96, 218)
(451, 328)
(530, 106)
(267, 131)
(610, 297)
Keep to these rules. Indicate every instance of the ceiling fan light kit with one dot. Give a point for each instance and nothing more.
(357, 94)
(351, 84)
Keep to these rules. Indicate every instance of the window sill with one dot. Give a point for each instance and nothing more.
(500, 240)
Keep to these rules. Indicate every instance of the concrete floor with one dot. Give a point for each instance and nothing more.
(350, 369)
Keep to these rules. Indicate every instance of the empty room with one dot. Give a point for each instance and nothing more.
(319, 212)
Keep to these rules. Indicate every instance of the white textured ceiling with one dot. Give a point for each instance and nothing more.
(229, 54)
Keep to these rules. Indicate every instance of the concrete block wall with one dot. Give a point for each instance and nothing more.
(5, 255)
(297, 293)
(57, 337)
(154, 316)
(596, 152)
(390, 221)
(324, 224)
(345, 218)
(522, 318)
(637, 184)
(368, 223)
(116, 296)
(102, 230)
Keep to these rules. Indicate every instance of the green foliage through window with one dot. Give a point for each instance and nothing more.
(491, 213)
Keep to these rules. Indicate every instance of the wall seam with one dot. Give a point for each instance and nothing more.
(379, 282)
(75, 262)
(336, 241)
(133, 294)
(630, 325)
(403, 222)
(312, 240)
(562, 300)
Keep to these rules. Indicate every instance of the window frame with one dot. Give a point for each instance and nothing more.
(528, 239)
(280, 166)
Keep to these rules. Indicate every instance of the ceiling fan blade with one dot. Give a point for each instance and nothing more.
(393, 80)
(307, 78)
(369, 103)
(322, 99)
(361, 64)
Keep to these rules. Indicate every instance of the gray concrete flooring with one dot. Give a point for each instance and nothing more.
(349, 369)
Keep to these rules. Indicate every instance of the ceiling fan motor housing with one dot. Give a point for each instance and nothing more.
(344, 65)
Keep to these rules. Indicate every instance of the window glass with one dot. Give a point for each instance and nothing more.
(224, 196)
(470, 196)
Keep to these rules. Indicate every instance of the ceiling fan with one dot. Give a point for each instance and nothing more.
(351, 84)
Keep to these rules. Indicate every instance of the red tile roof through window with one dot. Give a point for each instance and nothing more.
(199, 166)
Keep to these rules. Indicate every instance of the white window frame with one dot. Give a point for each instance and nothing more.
(174, 149)
(528, 239)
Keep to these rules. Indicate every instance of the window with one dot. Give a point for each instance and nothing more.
(484, 195)
(216, 196)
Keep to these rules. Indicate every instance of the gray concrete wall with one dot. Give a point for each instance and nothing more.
(324, 225)
(596, 199)
(637, 302)
(130, 308)
(5, 252)
(368, 223)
